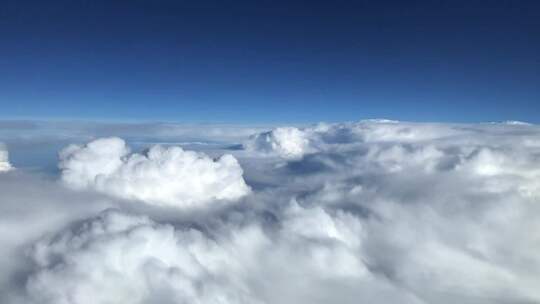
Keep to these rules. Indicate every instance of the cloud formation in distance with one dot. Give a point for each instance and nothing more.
(381, 211)
(166, 176)
(4, 159)
(287, 142)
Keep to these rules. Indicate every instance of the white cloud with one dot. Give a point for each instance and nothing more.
(517, 123)
(293, 143)
(120, 258)
(161, 176)
(4, 159)
(31, 205)
(375, 210)
(287, 142)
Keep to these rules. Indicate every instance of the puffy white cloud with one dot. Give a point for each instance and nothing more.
(30, 205)
(287, 142)
(4, 159)
(293, 143)
(168, 176)
(120, 258)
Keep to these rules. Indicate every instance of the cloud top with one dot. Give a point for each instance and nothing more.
(123, 258)
(287, 142)
(4, 159)
(165, 176)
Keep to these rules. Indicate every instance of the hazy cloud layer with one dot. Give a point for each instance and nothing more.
(28, 131)
(381, 211)
(35, 144)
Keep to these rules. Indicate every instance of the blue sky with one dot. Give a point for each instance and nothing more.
(267, 61)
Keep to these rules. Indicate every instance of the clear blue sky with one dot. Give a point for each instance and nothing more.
(270, 61)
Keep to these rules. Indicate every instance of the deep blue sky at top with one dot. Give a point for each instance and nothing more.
(270, 61)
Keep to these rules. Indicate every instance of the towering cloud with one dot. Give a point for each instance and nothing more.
(4, 159)
(160, 176)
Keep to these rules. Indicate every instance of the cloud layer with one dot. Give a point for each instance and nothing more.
(161, 176)
(381, 211)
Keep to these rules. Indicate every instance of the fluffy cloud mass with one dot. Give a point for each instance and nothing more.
(118, 257)
(377, 210)
(287, 142)
(4, 159)
(122, 258)
(161, 176)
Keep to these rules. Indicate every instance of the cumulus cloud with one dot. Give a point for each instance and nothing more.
(381, 211)
(287, 142)
(118, 257)
(294, 143)
(30, 205)
(4, 159)
(438, 203)
(162, 175)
